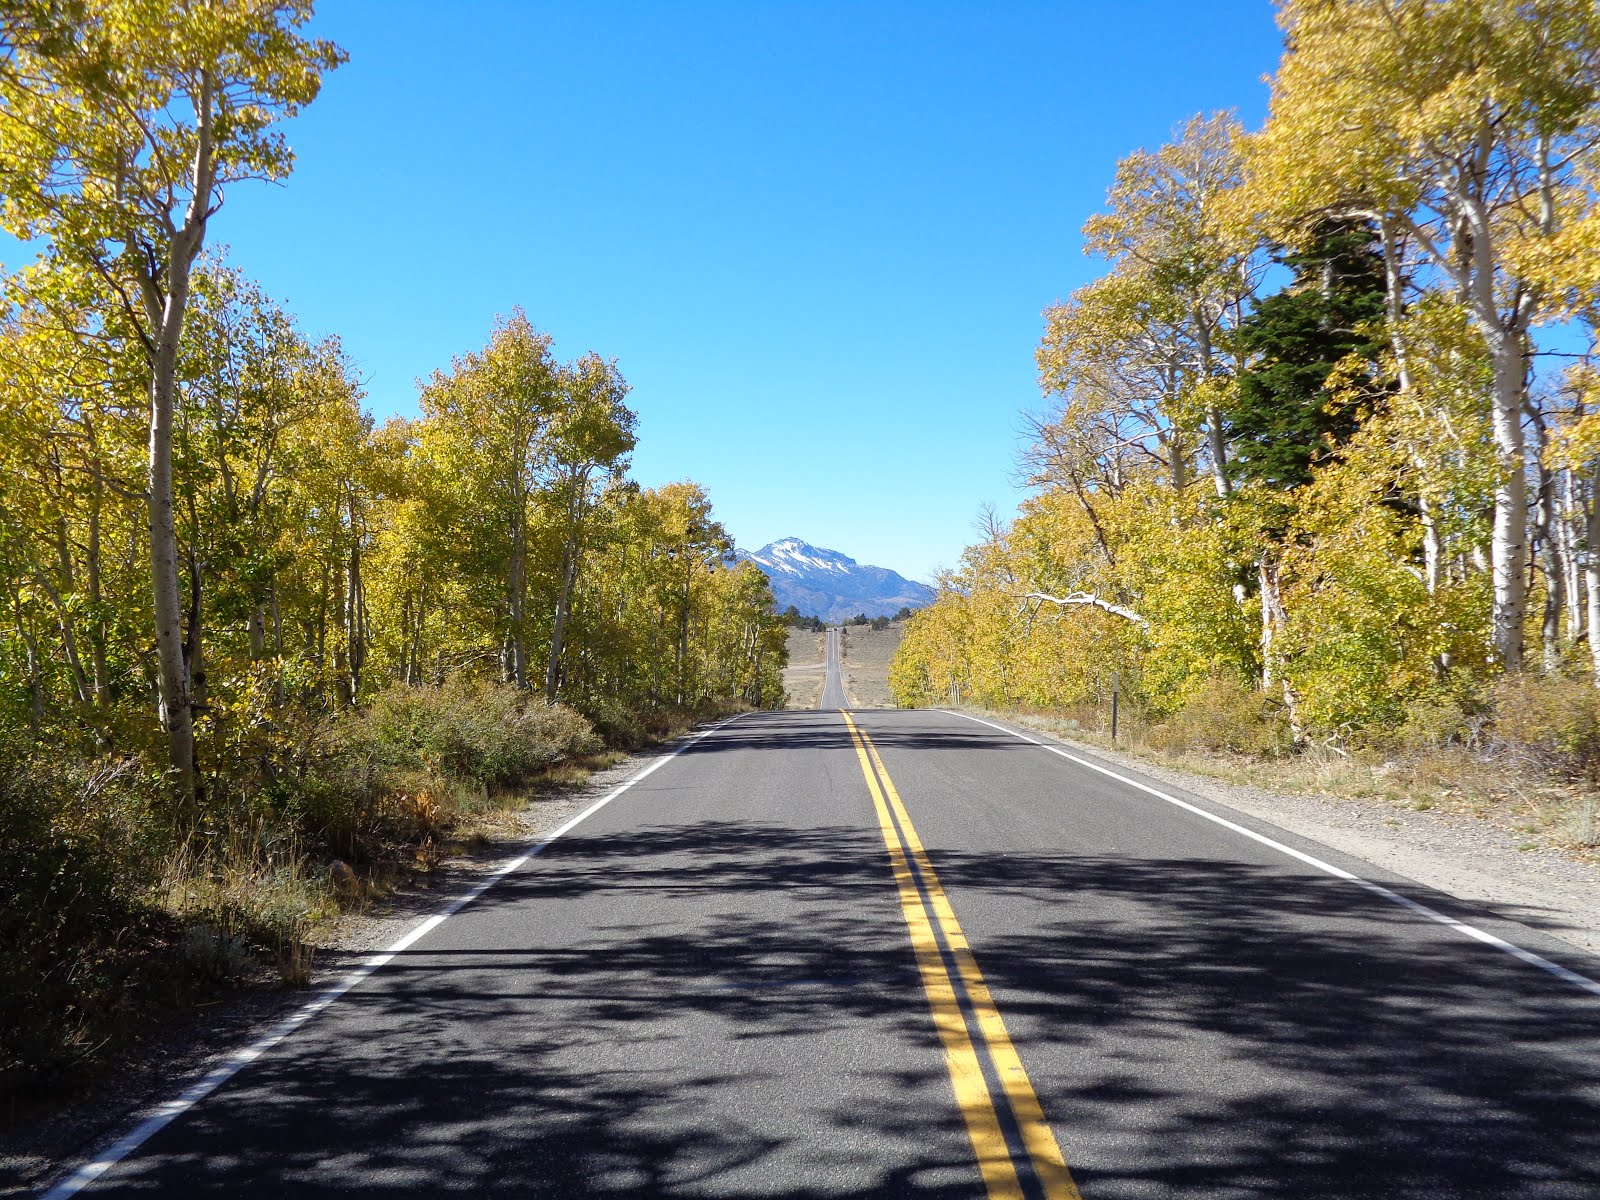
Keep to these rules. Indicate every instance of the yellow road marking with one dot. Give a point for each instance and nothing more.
(961, 1059)
(1049, 1164)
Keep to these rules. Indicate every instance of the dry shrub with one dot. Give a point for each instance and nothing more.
(614, 723)
(105, 916)
(1436, 721)
(80, 846)
(663, 724)
(498, 735)
(1579, 825)
(405, 769)
(1549, 723)
(1224, 714)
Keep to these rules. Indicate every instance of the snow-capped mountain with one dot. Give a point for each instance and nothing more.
(834, 586)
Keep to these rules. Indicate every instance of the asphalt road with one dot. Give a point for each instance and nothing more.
(833, 695)
(799, 961)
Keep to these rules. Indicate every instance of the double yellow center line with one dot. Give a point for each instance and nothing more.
(929, 918)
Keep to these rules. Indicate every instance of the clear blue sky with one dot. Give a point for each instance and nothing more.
(816, 236)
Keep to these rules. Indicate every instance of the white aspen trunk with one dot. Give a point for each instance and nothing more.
(1591, 566)
(1214, 435)
(356, 620)
(1433, 551)
(1569, 557)
(517, 587)
(174, 704)
(1432, 546)
(1269, 661)
(258, 631)
(1549, 559)
(1219, 454)
(683, 633)
(571, 559)
(558, 630)
(1394, 302)
(97, 633)
(1508, 550)
(1274, 619)
(172, 679)
(340, 608)
(1179, 455)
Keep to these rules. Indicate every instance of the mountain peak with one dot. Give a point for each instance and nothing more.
(796, 556)
(832, 585)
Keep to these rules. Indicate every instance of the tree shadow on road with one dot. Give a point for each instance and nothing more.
(1194, 1027)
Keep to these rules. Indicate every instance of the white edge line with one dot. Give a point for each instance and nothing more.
(1433, 914)
(166, 1113)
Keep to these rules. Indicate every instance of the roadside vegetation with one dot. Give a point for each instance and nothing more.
(1317, 480)
(792, 617)
(258, 653)
(866, 649)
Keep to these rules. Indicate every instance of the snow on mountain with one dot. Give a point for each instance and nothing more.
(794, 557)
(834, 586)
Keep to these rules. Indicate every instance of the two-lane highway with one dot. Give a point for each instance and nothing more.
(909, 954)
(833, 694)
(1202, 1014)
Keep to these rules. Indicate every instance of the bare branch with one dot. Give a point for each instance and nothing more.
(1087, 598)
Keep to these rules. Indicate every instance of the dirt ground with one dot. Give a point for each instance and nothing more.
(866, 653)
(802, 678)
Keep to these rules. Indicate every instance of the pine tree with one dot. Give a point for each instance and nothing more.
(1282, 419)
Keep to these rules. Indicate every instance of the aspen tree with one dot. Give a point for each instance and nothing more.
(590, 438)
(1165, 228)
(1456, 126)
(122, 123)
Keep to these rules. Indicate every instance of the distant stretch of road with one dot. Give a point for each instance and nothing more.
(833, 694)
(914, 954)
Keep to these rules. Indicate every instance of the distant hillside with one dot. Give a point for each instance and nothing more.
(834, 586)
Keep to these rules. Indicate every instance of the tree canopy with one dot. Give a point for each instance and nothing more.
(1336, 318)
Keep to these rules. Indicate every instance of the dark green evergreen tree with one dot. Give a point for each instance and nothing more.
(1282, 419)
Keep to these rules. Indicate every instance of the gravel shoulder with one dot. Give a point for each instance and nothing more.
(36, 1148)
(1464, 856)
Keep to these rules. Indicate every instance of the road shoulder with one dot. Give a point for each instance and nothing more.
(1459, 855)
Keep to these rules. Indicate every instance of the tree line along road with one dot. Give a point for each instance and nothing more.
(915, 954)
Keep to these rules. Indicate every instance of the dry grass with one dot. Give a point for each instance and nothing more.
(258, 894)
(802, 678)
(498, 816)
(866, 653)
(253, 896)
